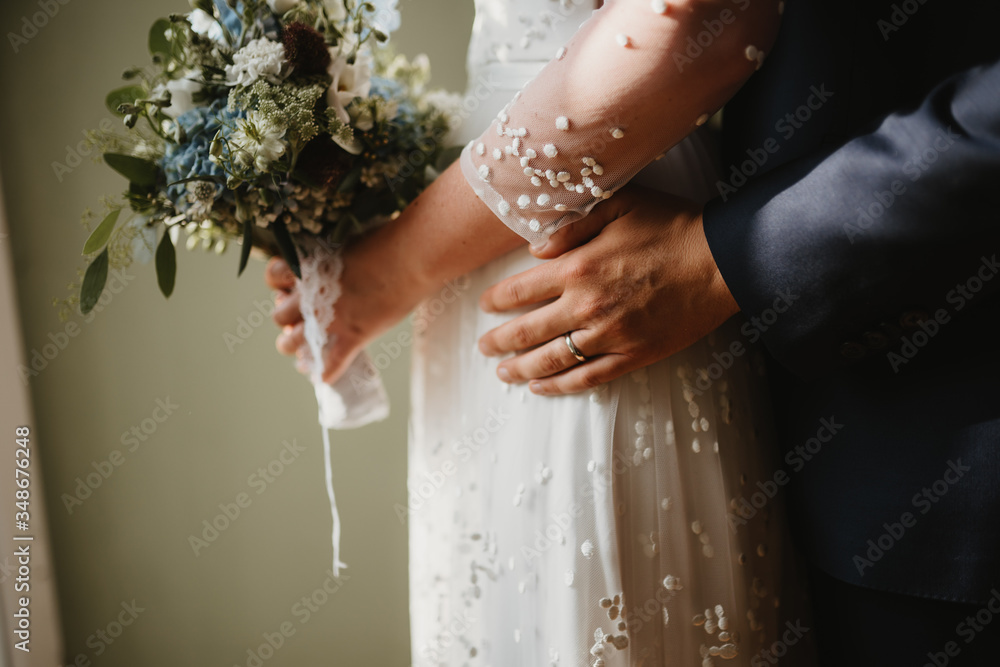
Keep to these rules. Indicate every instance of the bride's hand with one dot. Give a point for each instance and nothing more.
(374, 298)
(279, 277)
(632, 292)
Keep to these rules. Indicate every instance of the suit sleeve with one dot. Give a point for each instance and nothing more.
(901, 220)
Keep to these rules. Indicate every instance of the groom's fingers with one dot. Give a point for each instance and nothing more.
(531, 286)
(584, 376)
(549, 359)
(527, 331)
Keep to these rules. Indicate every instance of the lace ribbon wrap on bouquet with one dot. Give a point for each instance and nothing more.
(358, 398)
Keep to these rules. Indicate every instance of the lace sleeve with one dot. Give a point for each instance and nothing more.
(635, 79)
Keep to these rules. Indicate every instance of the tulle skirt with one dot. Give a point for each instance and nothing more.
(605, 528)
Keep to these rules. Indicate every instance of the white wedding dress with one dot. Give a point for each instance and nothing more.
(593, 529)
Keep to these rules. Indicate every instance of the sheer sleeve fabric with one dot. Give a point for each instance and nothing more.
(622, 91)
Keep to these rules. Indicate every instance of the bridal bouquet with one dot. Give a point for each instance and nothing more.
(281, 125)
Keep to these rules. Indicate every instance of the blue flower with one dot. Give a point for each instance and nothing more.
(230, 19)
(191, 158)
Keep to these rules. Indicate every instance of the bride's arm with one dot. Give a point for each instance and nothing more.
(631, 83)
(627, 87)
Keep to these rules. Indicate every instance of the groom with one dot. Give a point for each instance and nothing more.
(857, 229)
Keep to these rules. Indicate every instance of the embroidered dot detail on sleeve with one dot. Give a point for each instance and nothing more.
(561, 53)
(497, 153)
(560, 207)
(562, 123)
(543, 199)
(563, 176)
(534, 225)
(659, 6)
(484, 172)
(480, 148)
(503, 207)
(537, 182)
(617, 133)
(750, 52)
(528, 171)
(623, 39)
(530, 153)
(598, 169)
(550, 150)
(523, 201)
(702, 119)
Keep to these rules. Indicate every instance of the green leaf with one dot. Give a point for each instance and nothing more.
(286, 246)
(166, 264)
(99, 237)
(123, 95)
(93, 282)
(158, 42)
(247, 245)
(136, 170)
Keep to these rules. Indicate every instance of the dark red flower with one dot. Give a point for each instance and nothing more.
(305, 48)
(322, 163)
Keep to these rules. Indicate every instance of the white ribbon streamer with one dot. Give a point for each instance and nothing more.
(358, 397)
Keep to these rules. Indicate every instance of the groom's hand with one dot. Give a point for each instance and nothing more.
(632, 291)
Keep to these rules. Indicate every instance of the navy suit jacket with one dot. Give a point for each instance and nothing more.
(858, 227)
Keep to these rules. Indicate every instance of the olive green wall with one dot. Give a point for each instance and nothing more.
(225, 412)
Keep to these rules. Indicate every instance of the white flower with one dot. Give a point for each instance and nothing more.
(181, 94)
(203, 24)
(349, 81)
(257, 142)
(450, 105)
(260, 58)
(389, 110)
(281, 6)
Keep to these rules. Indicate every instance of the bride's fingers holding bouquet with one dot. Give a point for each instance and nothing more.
(279, 276)
(629, 292)
(287, 315)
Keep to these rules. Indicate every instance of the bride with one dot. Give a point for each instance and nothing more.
(567, 527)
